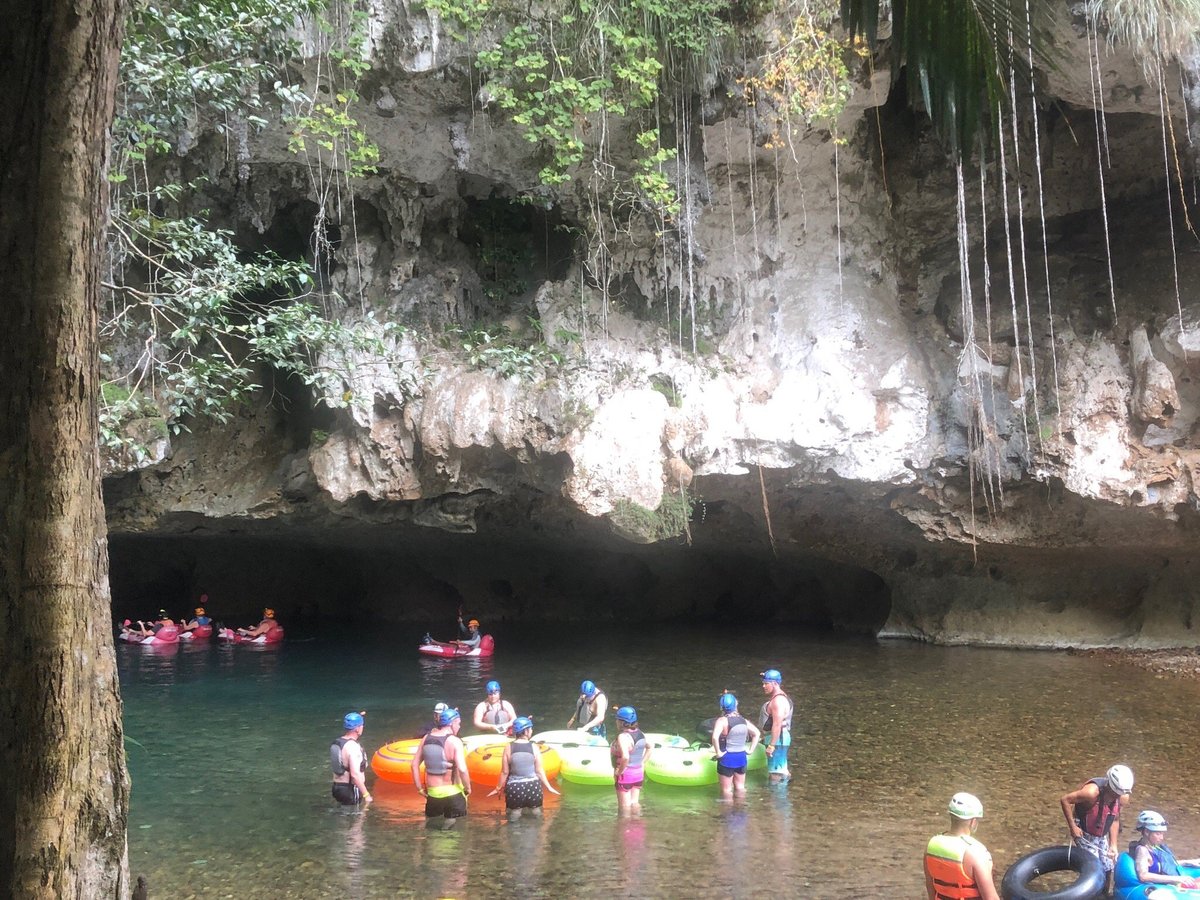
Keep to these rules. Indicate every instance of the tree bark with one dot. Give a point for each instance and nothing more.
(63, 786)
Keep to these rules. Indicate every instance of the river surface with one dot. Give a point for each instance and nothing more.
(228, 753)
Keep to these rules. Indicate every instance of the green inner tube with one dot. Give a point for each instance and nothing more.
(585, 765)
(682, 767)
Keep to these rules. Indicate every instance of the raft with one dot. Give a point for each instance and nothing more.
(682, 766)
(586, 765)
(451, 650)
(484, 763)
(273, 636)
(393, 762)
(1031, 866)
(1127, 887)
(569, 737)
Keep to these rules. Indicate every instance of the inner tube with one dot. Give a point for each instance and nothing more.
(1089, 884)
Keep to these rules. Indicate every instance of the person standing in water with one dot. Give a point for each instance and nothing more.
(776, 720)
(447, 783)
(1093, 814)
(494, 714)
(958, 867)
(590, 710)
(349, 763)
(522, 775)
(729, 741)
(630, 751)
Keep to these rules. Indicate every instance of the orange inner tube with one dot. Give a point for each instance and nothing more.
(484, 763)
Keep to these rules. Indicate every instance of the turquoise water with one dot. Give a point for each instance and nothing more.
(228, 752)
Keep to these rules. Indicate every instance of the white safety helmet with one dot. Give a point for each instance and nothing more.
(439, 709)
(1120, 779)
(966, 806)
(1149, 820)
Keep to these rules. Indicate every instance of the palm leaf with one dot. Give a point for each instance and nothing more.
(957, 55)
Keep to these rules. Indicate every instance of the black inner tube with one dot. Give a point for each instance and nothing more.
(1089, 884)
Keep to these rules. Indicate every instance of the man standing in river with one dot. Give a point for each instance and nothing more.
(958, 867)
(776, 720)
(1093, 814)
(349, 763)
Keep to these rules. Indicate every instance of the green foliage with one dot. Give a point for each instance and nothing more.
(636, 522)
(503, 354)
(567, 64)
(956, 56)
(665, 385)
(208, 316)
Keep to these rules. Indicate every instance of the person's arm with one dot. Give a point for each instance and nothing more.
(776, 723)
(418, 754)
(1114, 831)
(460, 765)
(977, 863)
(718, 730)
(622, 759)
(579, 707)
(504, 760)
(541, 771)
(352, 759)
(1088, 794)
(480, 709)
(755, 737)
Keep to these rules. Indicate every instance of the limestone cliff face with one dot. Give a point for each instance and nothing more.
(844, 439)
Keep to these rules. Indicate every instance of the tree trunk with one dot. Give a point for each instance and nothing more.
(63, 788)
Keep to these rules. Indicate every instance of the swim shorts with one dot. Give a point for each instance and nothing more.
(523, 794)
(777, 761)
(631, 778)
(447, 801)
(732, 763)
(346, 794)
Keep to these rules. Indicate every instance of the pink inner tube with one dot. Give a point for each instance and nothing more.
(168, 634)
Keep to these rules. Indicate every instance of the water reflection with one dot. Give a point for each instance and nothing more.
(228, 754)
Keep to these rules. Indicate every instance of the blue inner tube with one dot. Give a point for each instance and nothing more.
(1089, 884)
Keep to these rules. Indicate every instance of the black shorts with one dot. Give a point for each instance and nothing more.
(727, 771)
(346, 794)
(523, 794)
(452, 807)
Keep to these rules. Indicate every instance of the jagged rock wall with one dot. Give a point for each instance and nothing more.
(859, 464)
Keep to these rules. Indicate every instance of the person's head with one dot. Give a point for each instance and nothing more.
(1153, 827)
(199, 610)
(1119, 780)
(353, 721)
(523, 727)
(473, 624)
(268, 613)
(450, 718)
(728, 703)
(438, 709)
(588, 689)
(493, 689)
(162, 613)
(627, 716)
(965, 809)
(772, 680)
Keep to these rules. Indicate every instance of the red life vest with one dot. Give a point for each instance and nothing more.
(944, 865)
(1097, 818)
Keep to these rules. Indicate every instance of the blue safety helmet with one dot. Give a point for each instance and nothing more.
(627, 714)
(772, 675)
(353, 720)
(493, 687)
(522, 724)
(588, 689)
(448, 716)
(728, 702)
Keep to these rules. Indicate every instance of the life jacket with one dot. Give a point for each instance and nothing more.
(496, 714)
(203, 620)
(944, 864)
(335, 757)
(521, 764)
(1098, 818)
(1163, 861)
(736, 732)
(765, 717)
(433, 754)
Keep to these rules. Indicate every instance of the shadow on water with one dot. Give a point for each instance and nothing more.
(228, 754)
